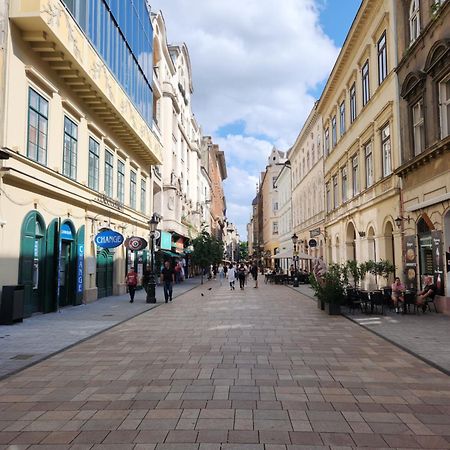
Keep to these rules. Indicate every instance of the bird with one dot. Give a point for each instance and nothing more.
(202, 294)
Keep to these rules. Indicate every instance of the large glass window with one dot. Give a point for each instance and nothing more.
(37, 127)
(109, 167)
(353, 103)
(414, 20)
(70, 148)
(418, 128)
(444, 110)
(369, 164)
(365, 83)
(94, 155)
(143, 195)
(342, 117)
(382, 59)
(133, 189)
(121, 181)
(344, 184)
(386, 150)
(355, 175)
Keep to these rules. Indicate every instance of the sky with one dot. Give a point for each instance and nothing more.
(257, 70)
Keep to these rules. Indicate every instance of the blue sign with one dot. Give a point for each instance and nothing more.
(108, 239)
(66, 232)
(166, 240)
(80, 268)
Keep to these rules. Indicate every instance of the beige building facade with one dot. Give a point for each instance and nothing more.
(80, 152)
(359, 108)
(308, 212)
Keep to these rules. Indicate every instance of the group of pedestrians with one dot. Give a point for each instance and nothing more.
(241, 272)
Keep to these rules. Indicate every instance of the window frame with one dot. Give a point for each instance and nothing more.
(121, 175)
(109, 174)
(420, 124)
(144, 195)
(69, 166)
(335, 191)
(94, 171)
(342, 128)
(355, 175)
(444, 107)
(414, 21)
(368, 164)
(133, 188)
(333, 131)
(344, 183)
(327, 141)
(365, 80)
(39, 116)
(382, 58)
(353, 110)
(386, 139)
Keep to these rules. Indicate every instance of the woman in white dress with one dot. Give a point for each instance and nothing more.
(231, 274)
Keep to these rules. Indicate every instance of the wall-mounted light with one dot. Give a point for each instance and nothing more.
(398, 221)
(362, 234)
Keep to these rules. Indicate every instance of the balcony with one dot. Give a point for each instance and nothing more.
(57, 39)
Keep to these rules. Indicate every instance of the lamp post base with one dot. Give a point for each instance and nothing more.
(151, 290)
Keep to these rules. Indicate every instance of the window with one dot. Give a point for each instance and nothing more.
(382, 59)
(133, 189)
(333, 132)
(386, 150)
(369, 164)
(37, 127)
(414, 20)
(275, 227)
(94, 154)
(353, 103)
(121, 181)
(344, 184)
(335, 192)
(418, 128)
(327, 141)
(109, 165)
(275, 206)
(444, 108)
(342, 118)
(328, 196)
(70, 148)
(355, 175)
(143, 195)
(365, 83)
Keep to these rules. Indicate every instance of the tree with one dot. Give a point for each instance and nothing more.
(207, 250)
(243, 251)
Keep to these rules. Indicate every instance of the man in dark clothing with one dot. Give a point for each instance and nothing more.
(167, 278)
(131, 280)
(241, 276)
(426, 294)
(254, 272)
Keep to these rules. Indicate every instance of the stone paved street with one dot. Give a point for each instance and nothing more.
(261, 369)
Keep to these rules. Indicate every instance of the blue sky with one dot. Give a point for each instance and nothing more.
(257, 70)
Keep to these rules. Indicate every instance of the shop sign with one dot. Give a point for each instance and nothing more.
(410, 262)
(166, 240)
(135, 244)
(108, 239)
(66, 232)
(447, 257)
(80, 268)
(108, 201)
(438, 263)
(312, 243)
(314, 233)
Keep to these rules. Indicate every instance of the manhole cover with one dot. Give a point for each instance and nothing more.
(22, 357)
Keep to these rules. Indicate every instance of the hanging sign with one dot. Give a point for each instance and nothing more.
(108, 239)
(66, 232)
(135, 243)
(80, 268)
(410, 256)
(312, 243)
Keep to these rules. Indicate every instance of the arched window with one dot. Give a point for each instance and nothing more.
(414, 20)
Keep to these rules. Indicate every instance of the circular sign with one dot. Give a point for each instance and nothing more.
(108, 239)
(312, 243)
(156, 235)
(135, 244)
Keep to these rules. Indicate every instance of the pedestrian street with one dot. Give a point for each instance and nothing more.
(258, 369)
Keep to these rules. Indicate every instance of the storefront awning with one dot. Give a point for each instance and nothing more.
(288, 255)
(171, 254)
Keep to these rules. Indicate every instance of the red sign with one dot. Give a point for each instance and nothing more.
(135, 244)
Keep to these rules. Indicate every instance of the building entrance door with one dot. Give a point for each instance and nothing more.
(105, 272)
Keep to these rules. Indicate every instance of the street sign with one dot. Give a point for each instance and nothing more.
(108, 239)
(314, 233)
(135, 244)
(312, 243)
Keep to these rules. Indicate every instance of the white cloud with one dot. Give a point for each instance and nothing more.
(254, 61)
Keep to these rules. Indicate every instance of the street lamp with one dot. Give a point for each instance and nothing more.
(151, 290)
(294, 241)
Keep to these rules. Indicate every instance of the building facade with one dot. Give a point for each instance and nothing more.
(424, 79)
(308, 212)
(359, 109)
(76, 126)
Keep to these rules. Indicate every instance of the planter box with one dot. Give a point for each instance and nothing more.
(320, 304)
(333, 309)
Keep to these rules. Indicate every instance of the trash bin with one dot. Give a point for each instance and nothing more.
(12, 307)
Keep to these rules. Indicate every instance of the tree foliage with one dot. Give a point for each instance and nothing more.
(207, 250)
(243, 251)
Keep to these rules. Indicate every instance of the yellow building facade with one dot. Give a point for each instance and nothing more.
(79, 154)
(359, 108)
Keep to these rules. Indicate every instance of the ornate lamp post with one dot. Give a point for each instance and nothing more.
(152, 225)
(294, 241)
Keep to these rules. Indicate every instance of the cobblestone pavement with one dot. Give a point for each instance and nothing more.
(261, 369)
(42, 335)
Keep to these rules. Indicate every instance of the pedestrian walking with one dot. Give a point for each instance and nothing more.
(231, 274)
(221, 272)
(131, 281)
(254, 272)
(241, 276)
(178, 272)
(167, 278)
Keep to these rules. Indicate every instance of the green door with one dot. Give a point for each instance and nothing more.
(32, 262)
(104, 273)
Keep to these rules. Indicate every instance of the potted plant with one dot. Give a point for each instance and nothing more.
(314, 282)
(329, 290)
(385, 269)
(353, 269)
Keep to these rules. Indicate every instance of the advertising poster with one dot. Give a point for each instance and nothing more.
(438, 261)
(410, 255)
